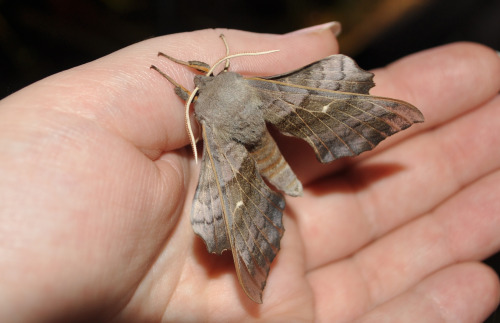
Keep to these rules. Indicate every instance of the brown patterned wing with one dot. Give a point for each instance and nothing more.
(335, 72)
(234, 208)
(207, 212)
(327, 104)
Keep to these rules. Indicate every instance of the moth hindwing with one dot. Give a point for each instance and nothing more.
(326, 103)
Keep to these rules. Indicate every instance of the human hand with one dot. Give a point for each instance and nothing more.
(97, 187)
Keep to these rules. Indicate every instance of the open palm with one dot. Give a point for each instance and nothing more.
(97, 189)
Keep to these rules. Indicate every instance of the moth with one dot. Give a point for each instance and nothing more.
(326, 103)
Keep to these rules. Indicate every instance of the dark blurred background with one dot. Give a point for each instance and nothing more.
(42, 37)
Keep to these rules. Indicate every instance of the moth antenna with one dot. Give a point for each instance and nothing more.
(192, 139)
(179, 89)
(211, 71)
(226, 68)
(199, 66)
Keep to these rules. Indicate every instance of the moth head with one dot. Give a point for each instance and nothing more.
(201, 80)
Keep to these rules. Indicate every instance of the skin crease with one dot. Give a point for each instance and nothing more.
(97, 186)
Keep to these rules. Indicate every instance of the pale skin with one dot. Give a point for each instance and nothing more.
(97, 183)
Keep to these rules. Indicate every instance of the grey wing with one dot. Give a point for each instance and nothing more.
(327, 104)
(207, 217)
(335, 72)
(251, 211)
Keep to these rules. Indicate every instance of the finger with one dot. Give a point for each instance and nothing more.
(443, 82)
(462, 293)
(121, 92)
(464, 228)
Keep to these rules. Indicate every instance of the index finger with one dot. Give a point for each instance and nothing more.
(120, 91)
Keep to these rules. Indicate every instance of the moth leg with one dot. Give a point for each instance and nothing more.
(226, 67)
(179, 89)
(197, 65)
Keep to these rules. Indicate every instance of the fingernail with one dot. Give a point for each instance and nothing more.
(334, 26)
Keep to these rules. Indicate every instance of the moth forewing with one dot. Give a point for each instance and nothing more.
(335, 122)
(207, 212)
(335, 72)
(250, 211)
(326, 103)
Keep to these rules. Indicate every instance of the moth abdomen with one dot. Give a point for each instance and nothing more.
(273, 166)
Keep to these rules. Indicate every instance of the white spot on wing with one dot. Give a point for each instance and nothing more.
(238, 205)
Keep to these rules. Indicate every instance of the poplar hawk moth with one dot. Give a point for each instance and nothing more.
(326, 103)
